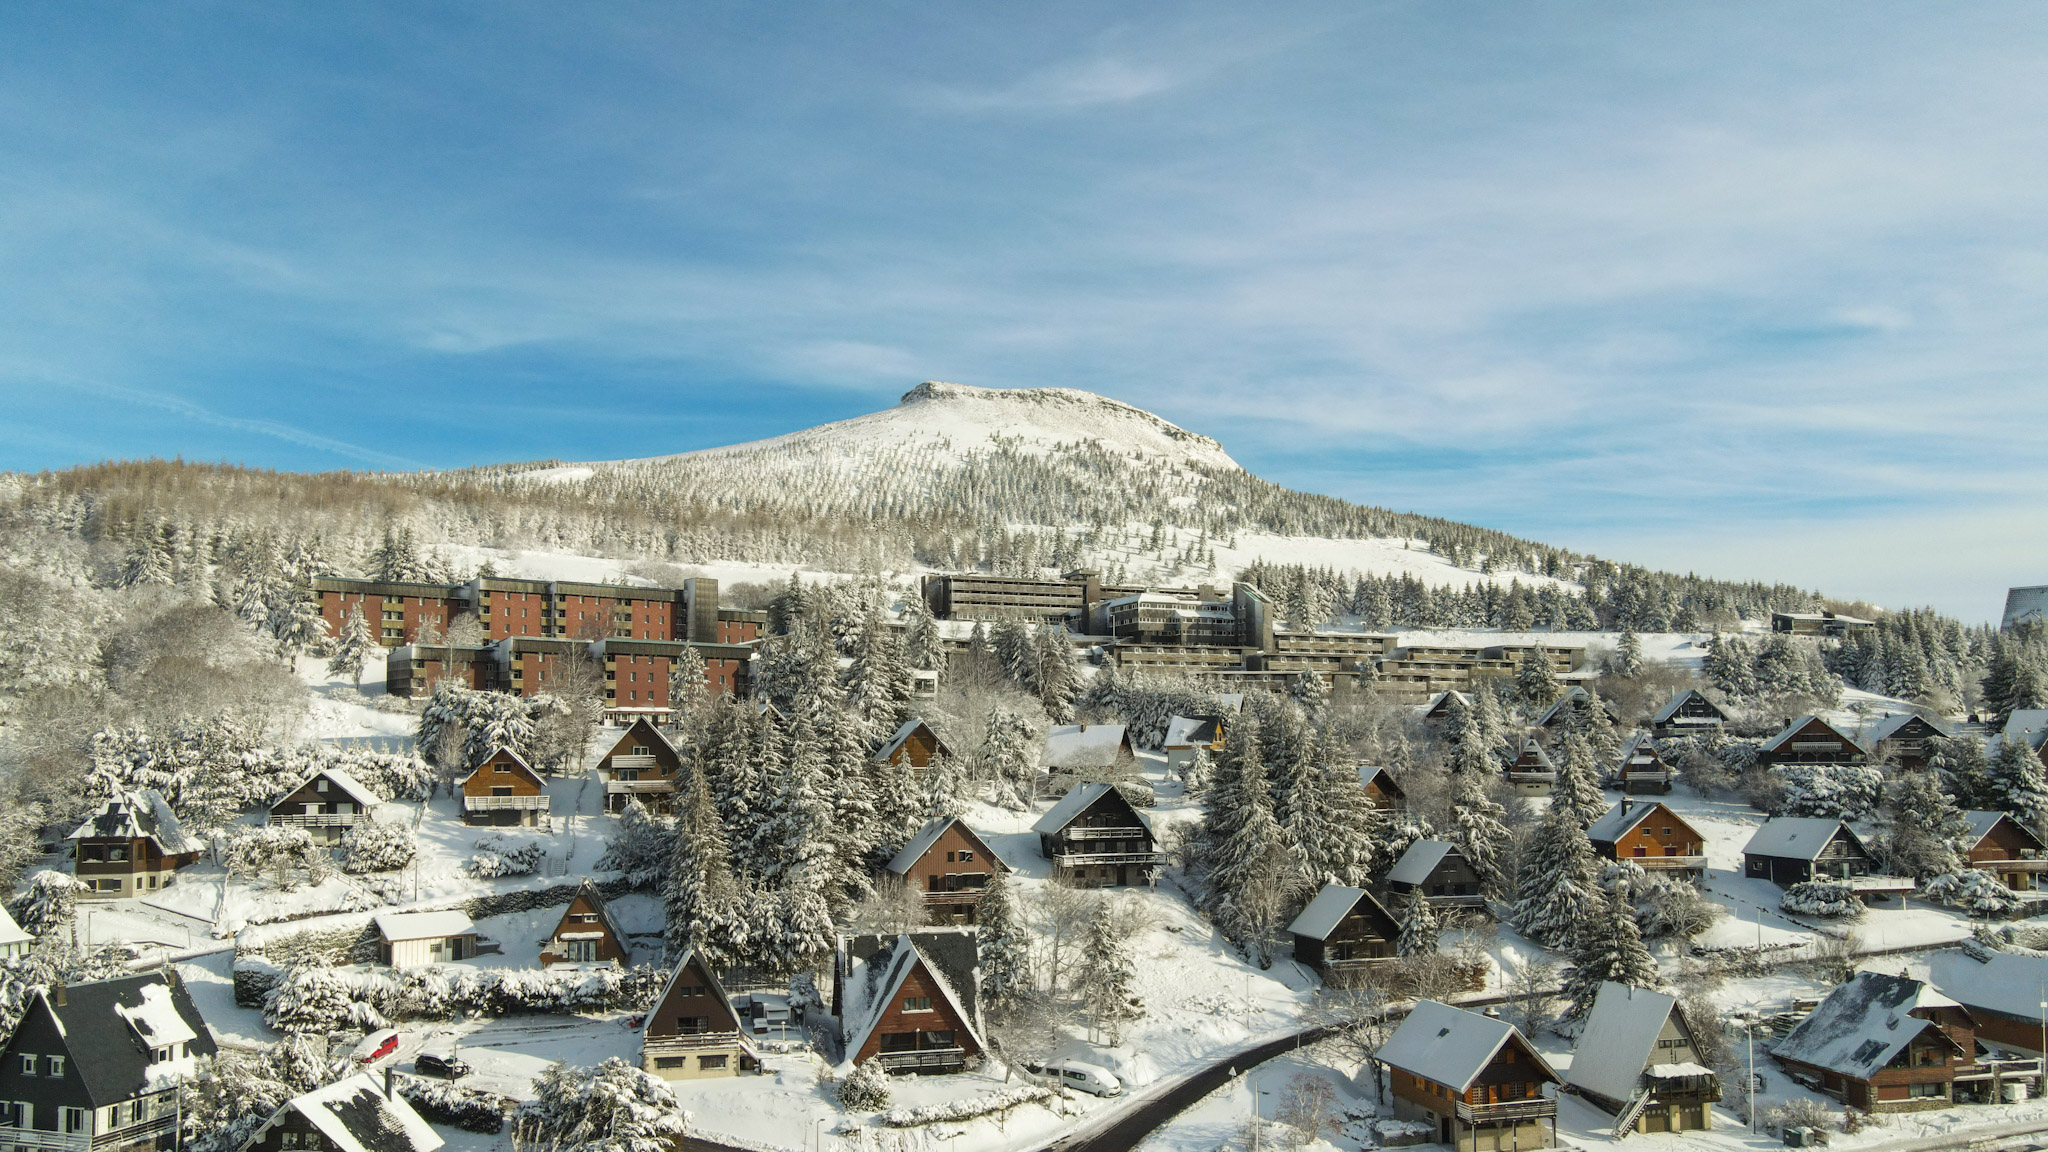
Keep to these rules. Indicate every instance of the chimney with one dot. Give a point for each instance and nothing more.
(387, 1083)
(58, 995)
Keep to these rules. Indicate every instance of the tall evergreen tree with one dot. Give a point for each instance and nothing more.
(1962, 761)
(1005, 947)
(352, 648)
(2016, 785)
(922, 644)
(1536, 680)
(1628, 656)
(1924, 830)
(1556, 890)
(1577, 793)
(1471, 751)
(703, 899)
(1478, 827)
(1108, 974)
(1252, 879)
(878, 680)
(1057, 681)
(689, 690)
(1419, 926)
(1609, 946)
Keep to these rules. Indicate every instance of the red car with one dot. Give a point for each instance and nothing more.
(376, 1046)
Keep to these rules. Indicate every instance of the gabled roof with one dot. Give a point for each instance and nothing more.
(894, 743)
(1981, 824)
(1079, 799)
(1795, 837)
(138, 816)
(1450, 1045)
(2029, 724)
(1443, 700)
(1672, 706)
(349, 785)
(588, 890)
(1083, 745)
(2008, 983)
(650, 733)
(690, 961)
(871, 986)
(1862, 1025)
(1890, 725)
(928, 835)
(1533, 759)
(1775, 742)
(1369, 774)
(395, 926)
(1421, 859)
(10, 932)
(1185, 731)
(1619, 1039)
(1628, 815)
(357, 1116)
(1572, 696)
(104, 1024)
(1329, 909)
(496, 752)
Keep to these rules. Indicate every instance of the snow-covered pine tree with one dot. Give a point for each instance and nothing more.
(1108, 974)
(1628, 656)
(1730, 667)
(878, 680)
(922, 643)
(1005, 947)
(1329, 821)
(2016, 784)
(796, 830)
(1478, 827)
(149, 558)
(378, 846)
(1609, 946)
(706, 910)
(1006, 757)
(613, 1107)
(1058, 683)
(641, 847)
(1419, 926)
(689, 691)
(49, 905)
(1536, 680)
(1471, 751)
(1961, 760)
(352, 648)
(1010, 644)
(1578, 791)
(1556, 891)
(1252, 878)
(1924, 830)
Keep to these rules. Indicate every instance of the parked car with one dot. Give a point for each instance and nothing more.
(1080, 1076)
(444, 1064)
(376, 1046)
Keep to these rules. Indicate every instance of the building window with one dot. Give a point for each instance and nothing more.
(710, 1062)
(74, 1119)
(671, 1061)
(28, 1064)
(1931, 1088)
(56, 1065)
(917, 1003)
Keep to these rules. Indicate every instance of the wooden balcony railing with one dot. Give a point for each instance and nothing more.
(1507, 1111)
(493, 803)
(923, 1058)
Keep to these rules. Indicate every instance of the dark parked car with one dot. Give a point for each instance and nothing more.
(442, 1064)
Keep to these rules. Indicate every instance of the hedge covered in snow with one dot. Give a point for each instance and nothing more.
(377, 846)
(1822, 898)
(865, 1089)
(439, 1102)
(211, 771)
(500, 855)
(1974, 891)
(986, 1104)
(317, 999)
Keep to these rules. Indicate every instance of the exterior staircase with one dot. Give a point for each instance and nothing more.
(1626, 1122)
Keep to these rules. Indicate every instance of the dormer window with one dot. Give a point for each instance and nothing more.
(28, 1064)
(56, 1065)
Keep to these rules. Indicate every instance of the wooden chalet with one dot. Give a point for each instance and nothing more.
(2002, 990)
(1533, 772)
(586, 933)
(1650, 835)
(1188, 735)
(641, 765)
(693, 1033)
(1643, 771)
(1438, 709)
(362, 1113)
(503, 791)
(1437, 870)
(326, 805)
(1473, 1079)
(1909, 739)
(914, 745)
(1086, 747)
(418, 939)
(1788, 850)
(1382, 789)
(130, 845)
(2007, 849)
(1563, 713)
(14, 943)
(1343, 933)
(95, 1067)
(909, 1001)
(1689, 713)
(1882, 1044)
(2030, 726)
(1810, 740)
(1637, 1060)
(1095, 839)
(950, 865)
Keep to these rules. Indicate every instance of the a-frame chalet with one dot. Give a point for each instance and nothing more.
(586, 933)
(693, 1032)
(642, 765)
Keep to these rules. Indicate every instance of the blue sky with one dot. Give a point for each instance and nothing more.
(1750, 289)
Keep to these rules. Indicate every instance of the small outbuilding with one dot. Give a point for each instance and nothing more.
(1086, 747)
(417, 939)
(1188, 735)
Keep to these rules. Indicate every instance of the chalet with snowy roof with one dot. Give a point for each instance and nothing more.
(130, 845)
(1343, 933)
(327, 804)
(1564, 712)
(586, 933)
(1883, 1044)
(1096, 839)
(1086, 747)
(1643, 771)
(1440, 872)
(950, 865)
(1382, 789)
(1533, 772)
(1790, 850)
(1818, 623)
(14, 942)
(97, 1065)
(640, 765)
(909, 1001)
(362, 1113)
(1473, 1079)
(417, 939)
(503, 791)
(1188, 735)
(2031, 726)
(1907, 738)
(1689, 713)
(2002, 990)
(1438, 709)
(1650, 835)
(2007, 849)
(1637, 1061)
(1810, 740)
(693, 1033)
(914, 745)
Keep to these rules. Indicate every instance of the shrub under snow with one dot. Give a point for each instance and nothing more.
(947, 1110)
(1822, 898)
(376, 846)
(501, 855)
(273, 848)
(865, 1089)
(439, 1102)
(1974, 891)
(317, 999)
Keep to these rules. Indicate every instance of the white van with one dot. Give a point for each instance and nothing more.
(1089, 1078)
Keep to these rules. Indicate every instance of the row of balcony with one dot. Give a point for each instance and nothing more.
(498, 803)
(689, 1042)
